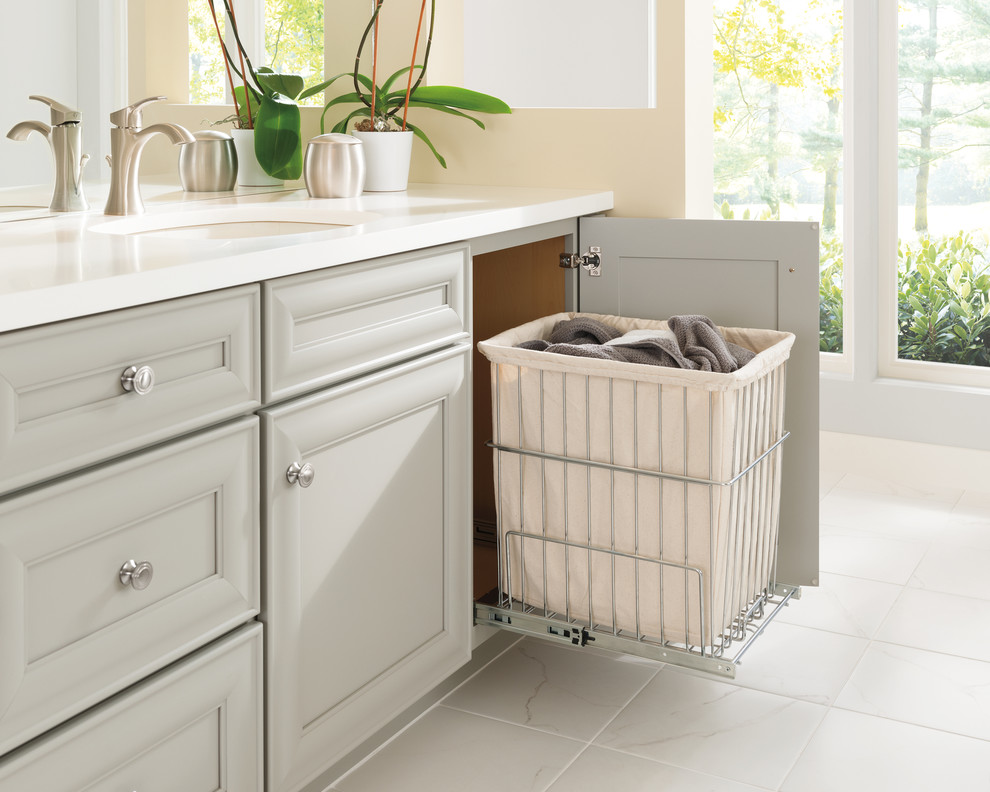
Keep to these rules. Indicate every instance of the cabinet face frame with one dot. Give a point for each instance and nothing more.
(300, 744)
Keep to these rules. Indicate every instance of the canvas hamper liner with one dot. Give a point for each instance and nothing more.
(675, 560)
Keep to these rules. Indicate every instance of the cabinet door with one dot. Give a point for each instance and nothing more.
(367, 584)
(741, 274)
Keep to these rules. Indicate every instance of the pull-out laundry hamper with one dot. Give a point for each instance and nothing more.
(638, 501)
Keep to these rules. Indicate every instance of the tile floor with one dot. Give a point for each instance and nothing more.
(878, 680)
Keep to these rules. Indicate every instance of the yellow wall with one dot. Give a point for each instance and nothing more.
(653, 167)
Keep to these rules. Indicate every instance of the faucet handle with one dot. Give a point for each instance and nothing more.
(61, 114)
(130, 116)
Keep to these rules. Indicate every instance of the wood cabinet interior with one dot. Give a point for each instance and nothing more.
(511, 287)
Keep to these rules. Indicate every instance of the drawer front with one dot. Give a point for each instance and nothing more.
(331, 325)
(64, 404)
(195, 728)
(73, 630)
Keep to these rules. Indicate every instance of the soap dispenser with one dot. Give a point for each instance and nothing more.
(65, 137)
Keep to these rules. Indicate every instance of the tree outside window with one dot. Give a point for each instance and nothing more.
(293, 45)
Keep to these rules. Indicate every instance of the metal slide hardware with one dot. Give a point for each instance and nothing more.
(591, 261)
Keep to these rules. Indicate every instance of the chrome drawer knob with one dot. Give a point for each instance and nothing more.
(302, 475)
(137, 575)
(138, 380)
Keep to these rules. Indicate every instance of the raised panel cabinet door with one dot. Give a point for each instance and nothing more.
(367, 600)
(75, 627)
(741, 274)
(195, 727)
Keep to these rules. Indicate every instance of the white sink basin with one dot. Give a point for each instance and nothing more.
(236, 222)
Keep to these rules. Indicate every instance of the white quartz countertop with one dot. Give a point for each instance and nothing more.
(61, 266)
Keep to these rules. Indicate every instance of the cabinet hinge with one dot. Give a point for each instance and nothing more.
(591, 261)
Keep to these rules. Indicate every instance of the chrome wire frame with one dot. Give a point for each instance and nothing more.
(739, 579)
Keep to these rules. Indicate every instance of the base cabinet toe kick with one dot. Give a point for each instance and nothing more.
(209, 510)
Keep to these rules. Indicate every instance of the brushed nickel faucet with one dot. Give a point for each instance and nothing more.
(65, 137)
(127, 141)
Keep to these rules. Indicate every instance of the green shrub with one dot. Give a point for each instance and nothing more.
(830, 294)
(943, 300)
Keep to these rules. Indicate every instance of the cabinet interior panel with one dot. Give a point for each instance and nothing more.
(381, 520)
(511, 287)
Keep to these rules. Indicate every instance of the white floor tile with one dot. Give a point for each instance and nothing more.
(969, 521)
(863, 753)
(849, 552)
(901, 490)
(811, 665)
(827, 479)
(452, 751)
(954, 569)
(894, 516)
(554, 689)
(714, 727)
(940, 623)
(926, 688)
(600, 769)
(848, 605)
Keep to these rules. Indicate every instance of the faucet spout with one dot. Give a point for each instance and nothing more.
(22, 130)
(179, 135)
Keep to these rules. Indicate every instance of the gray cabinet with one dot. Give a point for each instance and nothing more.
(144, 515)
(367, 596)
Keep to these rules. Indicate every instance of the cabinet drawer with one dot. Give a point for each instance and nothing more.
(331, 325)
(195, 728)
(73, 631)
(63, 403)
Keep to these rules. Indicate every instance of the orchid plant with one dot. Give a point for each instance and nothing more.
(265, 101)
(381, 104)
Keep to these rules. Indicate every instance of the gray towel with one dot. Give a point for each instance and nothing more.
(699, 345)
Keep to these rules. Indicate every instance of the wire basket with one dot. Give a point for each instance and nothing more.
(638, 502)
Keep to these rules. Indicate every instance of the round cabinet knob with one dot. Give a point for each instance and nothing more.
(137, 575)
(138, 380)
(302, 475)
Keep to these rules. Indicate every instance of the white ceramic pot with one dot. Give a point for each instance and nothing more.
(386, 157)
(249, 172)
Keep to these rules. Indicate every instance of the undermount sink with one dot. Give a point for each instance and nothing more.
(236, 222)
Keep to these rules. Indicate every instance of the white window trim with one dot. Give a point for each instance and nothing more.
(867, 402)
(889, 364)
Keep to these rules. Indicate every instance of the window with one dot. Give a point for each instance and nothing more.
(288, 34)
(779, 126)
(941, 266)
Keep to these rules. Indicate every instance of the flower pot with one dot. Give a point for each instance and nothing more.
(249, 172)
(386, 156)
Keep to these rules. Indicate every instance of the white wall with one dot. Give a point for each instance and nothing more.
(38, 43)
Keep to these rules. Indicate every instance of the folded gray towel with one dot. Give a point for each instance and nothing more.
(700, 346)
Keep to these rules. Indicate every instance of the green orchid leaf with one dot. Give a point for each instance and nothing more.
(277, 137)
(387, 85)
(443, 109)
(359, 113)
(288, 85)
(322, 86)
(422, 136)
(242, 105)
(462, 98)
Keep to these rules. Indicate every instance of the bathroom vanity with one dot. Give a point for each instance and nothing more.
(237, 435)
(235, 509)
